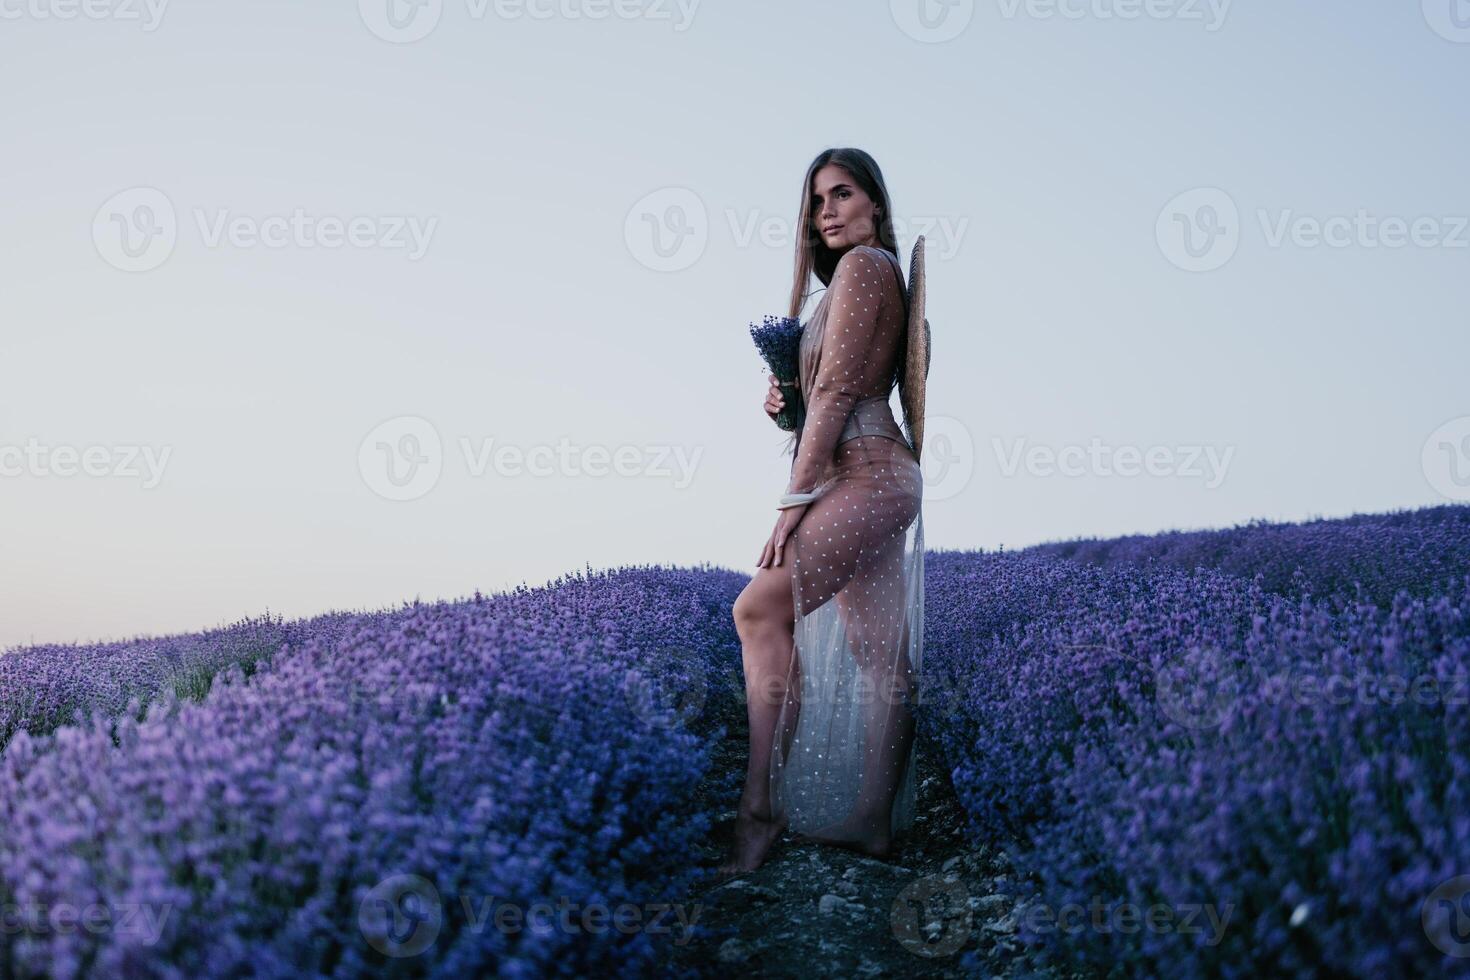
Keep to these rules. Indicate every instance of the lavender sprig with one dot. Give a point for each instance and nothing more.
(778, 338)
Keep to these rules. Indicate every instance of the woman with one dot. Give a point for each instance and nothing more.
(831, 625)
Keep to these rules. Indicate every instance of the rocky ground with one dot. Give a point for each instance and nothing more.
(814, 910)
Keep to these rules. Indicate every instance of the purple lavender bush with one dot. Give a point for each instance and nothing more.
(44, 686)
(1424, 552)
(1279, 782)
(369, 800)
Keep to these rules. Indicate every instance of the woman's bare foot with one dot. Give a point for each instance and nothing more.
(869, 836)
(753, 840)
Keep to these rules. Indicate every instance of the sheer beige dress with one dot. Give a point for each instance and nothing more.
(857, 560)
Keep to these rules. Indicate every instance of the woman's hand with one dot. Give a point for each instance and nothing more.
(775, 400)
(785, 524)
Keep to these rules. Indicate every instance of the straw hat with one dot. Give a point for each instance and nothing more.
(911, 392)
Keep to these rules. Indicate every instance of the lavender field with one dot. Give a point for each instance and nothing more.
(1213, 753)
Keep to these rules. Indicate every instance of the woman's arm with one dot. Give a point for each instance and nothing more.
(852, 322)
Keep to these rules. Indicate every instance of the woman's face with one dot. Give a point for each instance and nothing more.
(842, 214)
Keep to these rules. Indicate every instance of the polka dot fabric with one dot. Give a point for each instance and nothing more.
(857, 569)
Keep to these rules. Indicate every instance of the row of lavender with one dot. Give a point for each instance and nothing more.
(45, 686)
(1425, 551)
(1200, 777)
(504, 785)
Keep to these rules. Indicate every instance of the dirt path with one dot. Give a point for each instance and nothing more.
(817, 911)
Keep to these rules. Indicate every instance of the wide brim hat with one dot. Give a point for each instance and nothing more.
(916, 364)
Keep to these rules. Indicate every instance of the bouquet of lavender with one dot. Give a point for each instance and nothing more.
(778, 339)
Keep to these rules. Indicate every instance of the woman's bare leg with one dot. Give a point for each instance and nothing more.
(764, 618)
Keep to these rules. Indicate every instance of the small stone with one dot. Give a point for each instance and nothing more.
(846, 889)
(951, 864)
(1008, 924)
(740, 886)
(830, 903)
(988, 903)
(850, 873)
(867, 968)
(735, 950)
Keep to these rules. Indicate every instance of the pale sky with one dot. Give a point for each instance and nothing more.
(1190, 263)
